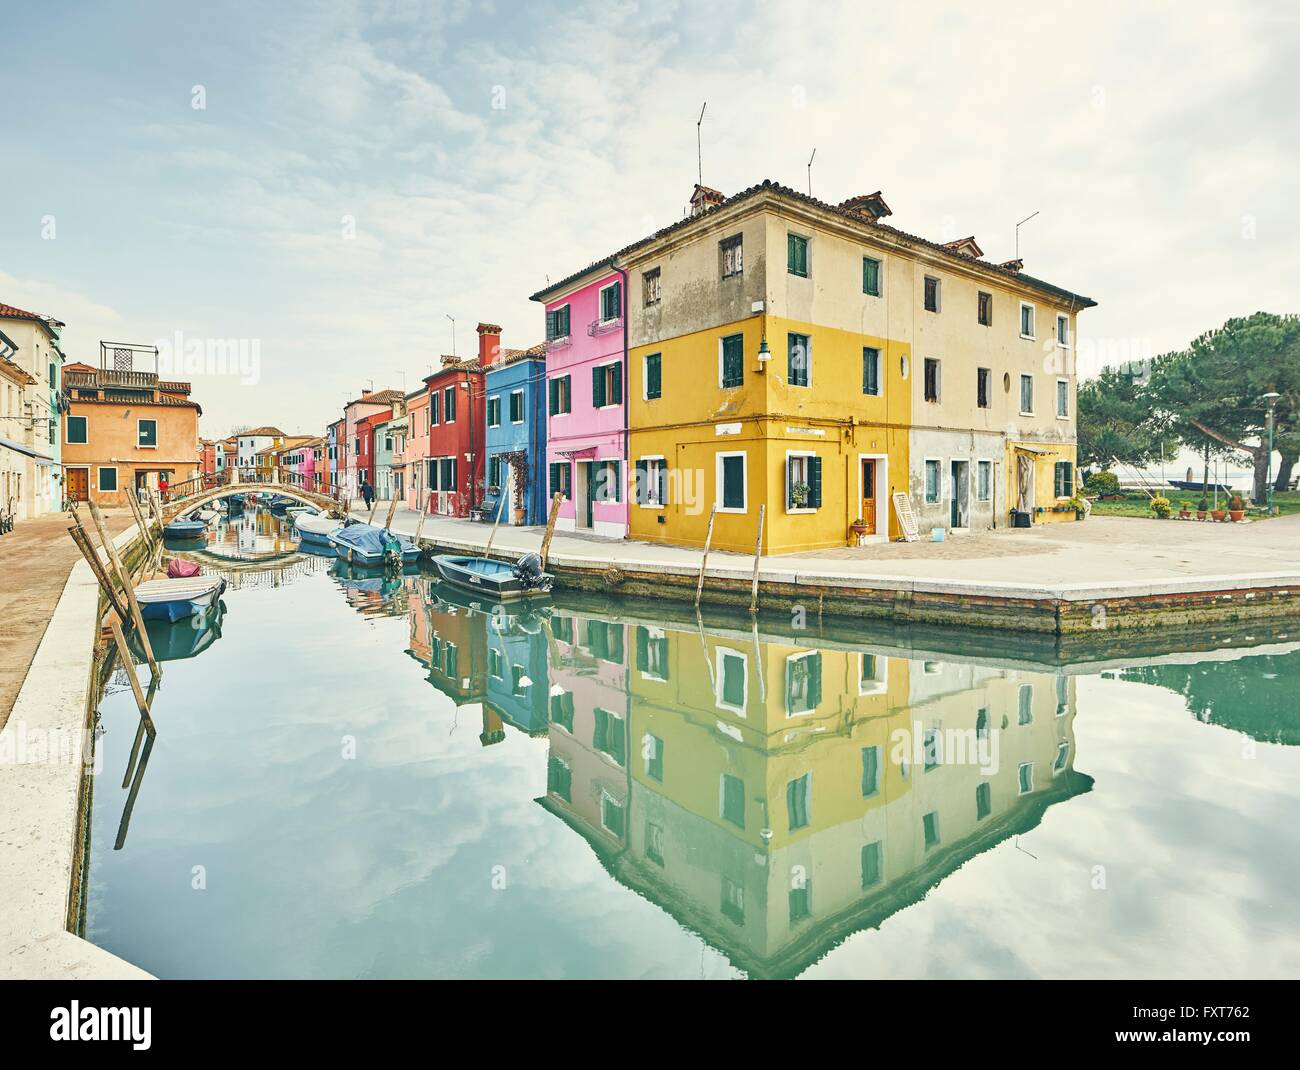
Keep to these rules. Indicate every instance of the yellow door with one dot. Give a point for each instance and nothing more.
(869, 495)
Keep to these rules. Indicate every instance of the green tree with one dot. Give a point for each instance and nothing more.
(1216, 387)
(1116, 421)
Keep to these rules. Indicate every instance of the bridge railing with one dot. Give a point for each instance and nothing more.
(232, 475)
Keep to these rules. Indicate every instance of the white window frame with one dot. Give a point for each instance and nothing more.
(736, 241)
(100, 469)
(807, 356)
(925, 465)
(567, 412)
(144, 445)
(488, 407)
(938, 381)
(718, 654)
(938, 293)
(610, 404)
(452, 390)
(1059, 383)
(982, 465)
(880, 275)
(655, 273)
(645, 376)
(1020, 786)
(559, 338)
(879, 682)
(790, 659)
(789, 454)
(1023, 410)
(808, 249)
(662, 460)
(880, 374)
(522, 406)
(718, 480)
(721, 339)
(1061, 317)
(600, 305)
(1033, 320)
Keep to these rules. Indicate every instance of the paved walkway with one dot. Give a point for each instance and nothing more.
(1099, 552)
(35, 559)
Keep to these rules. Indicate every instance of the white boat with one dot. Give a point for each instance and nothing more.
(174, 600)
(317, 527)
(207, 514)
(295, 511)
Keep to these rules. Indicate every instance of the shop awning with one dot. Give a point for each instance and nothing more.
(26, 451)
(1037, 451)
(575, 454)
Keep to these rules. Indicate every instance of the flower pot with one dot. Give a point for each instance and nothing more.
(519, 514)
(1218, 514)
(1237, 514)
(1079, 514)
(858, 529)
(1200, 514)
(1184, 514)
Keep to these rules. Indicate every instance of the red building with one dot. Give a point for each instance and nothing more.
(365, 442)
(454, 419)
(208, 457)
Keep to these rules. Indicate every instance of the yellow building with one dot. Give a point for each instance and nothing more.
(807, 360)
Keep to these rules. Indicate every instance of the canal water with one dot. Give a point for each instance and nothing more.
(366, 776)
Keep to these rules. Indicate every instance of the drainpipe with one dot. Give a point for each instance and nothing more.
(627, 402)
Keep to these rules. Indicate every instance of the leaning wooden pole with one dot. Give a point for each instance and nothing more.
(392, 508)
(554, 515)
(139, 520)
(124, 652)
(124, 577)
(419, 527)
(704, 561)
(501, 501)
(758, 550)
(79, 536)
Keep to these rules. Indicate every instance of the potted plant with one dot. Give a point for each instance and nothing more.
(1219, 515)
(858, 527)
(798, 495)
(1079, 506)
(1160, 506)
(1202, 507)
(1185, 510)
(1236, 507)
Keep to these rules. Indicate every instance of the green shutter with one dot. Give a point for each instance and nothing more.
(597, 387)
(642, 497)
(654, 376)
(617, 397)
(663, 482)
(733, 482)
(733, 361)
(815, 482)
(551, 394)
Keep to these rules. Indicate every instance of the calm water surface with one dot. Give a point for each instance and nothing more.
(358, 776)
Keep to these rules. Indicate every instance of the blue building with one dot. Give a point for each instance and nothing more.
(515, 436)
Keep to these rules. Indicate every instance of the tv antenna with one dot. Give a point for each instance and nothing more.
(1018, 226)
(699, 146)
(810, 160)
(453, 332)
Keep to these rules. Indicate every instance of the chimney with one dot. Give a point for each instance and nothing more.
(965, 247)
(870, 206)
(489, 344)
(703, 198)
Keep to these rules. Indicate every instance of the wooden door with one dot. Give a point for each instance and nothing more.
(79, 484)
(869, 495)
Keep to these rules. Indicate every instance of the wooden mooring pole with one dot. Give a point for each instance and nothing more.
(501, 502)
(704, 561)
(758, 550)
(124, 578)
(79, 536)
(124, 653)
(419, 527)
(556, 499)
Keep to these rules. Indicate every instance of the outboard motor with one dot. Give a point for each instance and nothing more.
(528, 571)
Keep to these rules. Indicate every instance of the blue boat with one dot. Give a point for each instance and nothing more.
(499, 580)
(185, 528)
(317, 528)
(373, 547)
(178, 599)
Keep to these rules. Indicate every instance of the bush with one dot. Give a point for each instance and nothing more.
(1102, 483)
(1160, 506)
(1237, 503)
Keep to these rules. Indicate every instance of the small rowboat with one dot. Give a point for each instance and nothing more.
(295, 511)
(317, 528)
(185, 528)
(499, 580)
(175, 600)
(366, 544)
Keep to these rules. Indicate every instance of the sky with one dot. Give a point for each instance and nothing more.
(327, 183)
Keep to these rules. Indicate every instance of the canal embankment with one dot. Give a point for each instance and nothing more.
(1104, 575)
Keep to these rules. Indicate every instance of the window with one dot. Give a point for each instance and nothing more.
(609, 737)
(931, 482)
(1063, 399)
(798, 800)
(654, 842)
(448, 473)
(803, 482)
(561, 476)
(1026, 395)
(605, 641)
(1064, 481)
(733, 800)
(871, 276)
(651, 290)
(870, 771)
(984, 481)
(731, 497)
(931, 748)
(731, 361)
(653, 752)
(557, 323)
(651, 487)
(733, 900)
(930, 829)
(931, 379)
(799, 360)
(796, 256)
(613, 814)
(1062, 756)
(1062, 330)
(1025, 704)
(872, 868)
(983, 388)
(801, 901)
(516, 406)
(983, 801)
(560, 395)
(607, 385)
(559, 778)
(108, 479)
(931, 294)
(654, 376)
(611, 302)
(1026, 777)
(1026, 320)
(494, 412)
(803, 683)
(732, 681)
(146, 433)
(731, 253)
(984, 311)
(607, 481)
(77, 430)
(494, 470)
(652, 652)
(871, 371)
(435, 409)
(449, 405)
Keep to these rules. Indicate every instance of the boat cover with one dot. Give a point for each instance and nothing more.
(179, 569)
(370, 539)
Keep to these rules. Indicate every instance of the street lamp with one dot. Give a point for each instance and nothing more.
(1271, 397)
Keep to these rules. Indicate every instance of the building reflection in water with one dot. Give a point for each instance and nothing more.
(772, 796)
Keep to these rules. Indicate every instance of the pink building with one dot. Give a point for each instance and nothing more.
(586, 398)
(351, 464)
(302, 463)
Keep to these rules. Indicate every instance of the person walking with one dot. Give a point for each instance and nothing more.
(367, 493)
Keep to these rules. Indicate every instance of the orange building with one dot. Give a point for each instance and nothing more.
(126, 430)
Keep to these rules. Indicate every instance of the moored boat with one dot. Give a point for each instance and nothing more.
(185, 527)
(317, 528)
(366, 544)
(500, 580)
(177, 599)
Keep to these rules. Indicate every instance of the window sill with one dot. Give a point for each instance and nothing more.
(799, 510)
(731, 509)
(1029, 338)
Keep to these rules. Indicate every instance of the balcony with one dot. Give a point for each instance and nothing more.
(596, 327)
